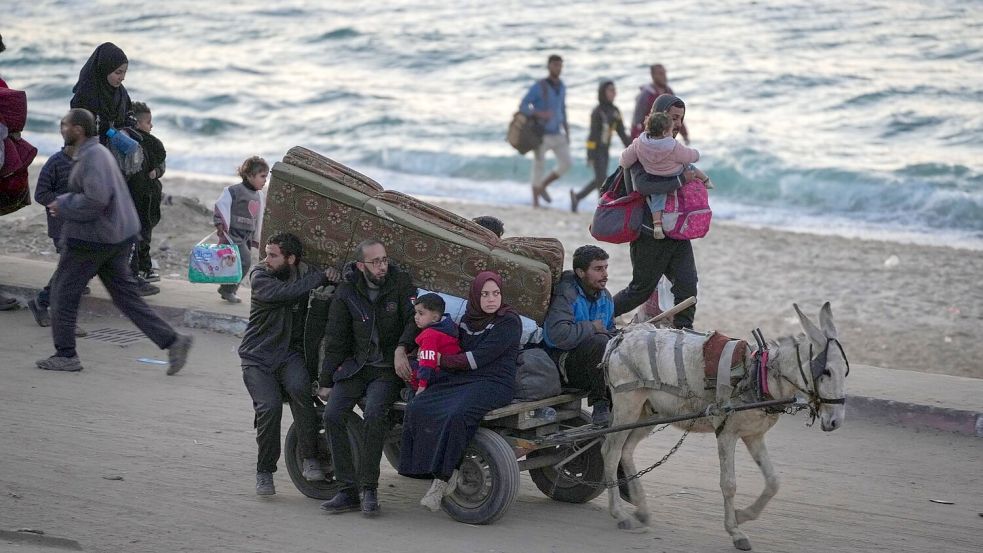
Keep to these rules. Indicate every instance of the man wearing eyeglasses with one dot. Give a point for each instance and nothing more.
(369, 330)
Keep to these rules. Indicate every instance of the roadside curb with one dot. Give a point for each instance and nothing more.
(916, 416)
(909, 414)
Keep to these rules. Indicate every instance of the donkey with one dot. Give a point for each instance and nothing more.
(805, 365)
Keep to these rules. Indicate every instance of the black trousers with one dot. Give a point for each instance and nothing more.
(76, 267)
(380, 386)
(146, 199)
(650, 259)
(268, 387)
(582, 369)
(600, 174)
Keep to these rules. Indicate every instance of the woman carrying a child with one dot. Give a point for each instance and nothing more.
(441, 420)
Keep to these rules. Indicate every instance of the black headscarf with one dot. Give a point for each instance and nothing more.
(94, 93)
(602, 98)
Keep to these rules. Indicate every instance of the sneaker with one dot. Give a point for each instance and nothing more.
(264, 484)
(40, 313)
(370, 503)
(312, 470)
(150, 275)
(431, 500)
(177, 354)
(144, 288)
(343, 502)
(80, 332)
(230, 297)
(64, 364)
(601, 416)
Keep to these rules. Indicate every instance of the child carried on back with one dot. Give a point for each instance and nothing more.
(438, 337)
(660, 154)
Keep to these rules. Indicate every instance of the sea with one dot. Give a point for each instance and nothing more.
(860, 118)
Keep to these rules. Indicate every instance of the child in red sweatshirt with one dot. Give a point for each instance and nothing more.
(438, 337)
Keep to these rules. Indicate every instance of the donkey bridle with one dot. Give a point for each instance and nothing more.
(818, 366)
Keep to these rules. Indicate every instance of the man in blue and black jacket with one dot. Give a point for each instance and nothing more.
(579, 323)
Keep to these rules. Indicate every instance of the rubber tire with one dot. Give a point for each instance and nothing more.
(324, 489)
(503, 475)
(391, 451)
(589, 465)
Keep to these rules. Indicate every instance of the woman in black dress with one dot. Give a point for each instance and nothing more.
(441, 421)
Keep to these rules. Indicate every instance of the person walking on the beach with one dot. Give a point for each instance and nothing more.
(605, 120)
(99, 228)
(239, 216)
(546, 100)
(371, 329)
(145, 188)
(652, 258)
(272, 353)
(646, 98)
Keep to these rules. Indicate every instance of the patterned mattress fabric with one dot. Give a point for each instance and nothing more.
(332, 208)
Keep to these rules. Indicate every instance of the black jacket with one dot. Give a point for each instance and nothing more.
(277, 311)
(352, 318)
(153, 159)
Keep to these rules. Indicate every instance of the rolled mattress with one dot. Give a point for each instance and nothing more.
(332, 208)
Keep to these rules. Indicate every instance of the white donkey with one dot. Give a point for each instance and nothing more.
(809, 366)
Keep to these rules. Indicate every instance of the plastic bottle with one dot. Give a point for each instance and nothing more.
(545, 413)
(121, 141)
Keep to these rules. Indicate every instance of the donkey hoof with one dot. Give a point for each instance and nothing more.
(743, 544)
(628, 524)
(644, 518)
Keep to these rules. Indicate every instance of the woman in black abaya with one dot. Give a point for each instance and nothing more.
(100, 89)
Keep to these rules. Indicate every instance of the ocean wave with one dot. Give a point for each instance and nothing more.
(203, 126)
(337, 34)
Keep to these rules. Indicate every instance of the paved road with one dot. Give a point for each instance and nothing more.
(184, 448)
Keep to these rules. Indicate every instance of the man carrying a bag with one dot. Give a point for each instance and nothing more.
(546, 100)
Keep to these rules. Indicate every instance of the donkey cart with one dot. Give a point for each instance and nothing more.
(489, 473)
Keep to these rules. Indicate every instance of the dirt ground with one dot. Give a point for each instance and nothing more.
(122, 458)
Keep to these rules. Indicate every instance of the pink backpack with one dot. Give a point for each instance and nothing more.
(687, 214)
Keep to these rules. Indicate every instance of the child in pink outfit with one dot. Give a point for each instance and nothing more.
(660, 154)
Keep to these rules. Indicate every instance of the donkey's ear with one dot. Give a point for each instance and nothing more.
(812, 331)
(826, 321)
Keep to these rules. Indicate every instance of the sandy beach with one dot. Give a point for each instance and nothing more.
(896, 305)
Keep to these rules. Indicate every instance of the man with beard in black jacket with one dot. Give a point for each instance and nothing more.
(272, 353)
(371, 327)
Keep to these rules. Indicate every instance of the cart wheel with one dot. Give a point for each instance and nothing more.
(488, 482)
(391, 451)
(589, 466)
(327, 488)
